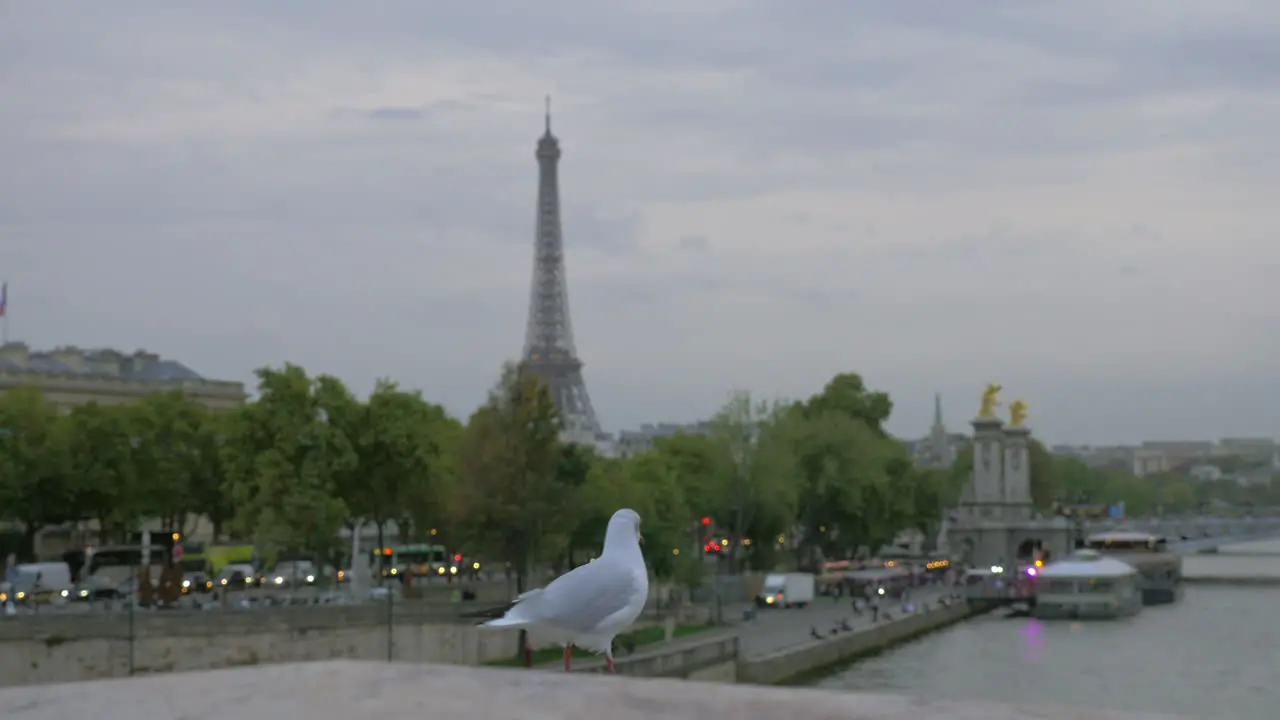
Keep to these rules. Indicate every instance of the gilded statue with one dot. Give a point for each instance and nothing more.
(989, 401)
(1017, 413)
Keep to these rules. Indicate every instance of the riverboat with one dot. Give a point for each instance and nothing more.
(1159, 568)
(1087, 585)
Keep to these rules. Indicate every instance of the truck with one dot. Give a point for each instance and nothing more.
(786, 590)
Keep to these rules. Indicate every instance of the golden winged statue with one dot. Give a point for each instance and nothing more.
(989, 401)
(1017, 413)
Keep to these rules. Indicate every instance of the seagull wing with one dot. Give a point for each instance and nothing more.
(585, 597)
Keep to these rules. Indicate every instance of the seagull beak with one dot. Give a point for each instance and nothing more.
(641, 536)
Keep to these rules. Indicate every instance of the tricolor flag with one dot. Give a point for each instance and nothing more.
(4, 298)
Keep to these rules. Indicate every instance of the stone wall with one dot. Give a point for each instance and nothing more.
(383, 691)
(812, 657)
(69, 648)
(63, 648)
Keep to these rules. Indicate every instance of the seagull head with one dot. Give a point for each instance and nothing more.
(623, 530)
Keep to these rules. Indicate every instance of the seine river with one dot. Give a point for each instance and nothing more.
(1212, 655)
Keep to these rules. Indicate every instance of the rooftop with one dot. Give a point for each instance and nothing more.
(16, 357)
(1087, 564)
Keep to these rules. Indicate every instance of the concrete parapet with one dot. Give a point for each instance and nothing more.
(386, 691)
(812, 657)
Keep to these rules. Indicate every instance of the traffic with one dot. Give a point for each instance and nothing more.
(170, 573)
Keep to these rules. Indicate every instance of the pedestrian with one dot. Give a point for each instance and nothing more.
(10, 579)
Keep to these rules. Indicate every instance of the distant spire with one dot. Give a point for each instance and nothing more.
(548, 114)
(937, 410)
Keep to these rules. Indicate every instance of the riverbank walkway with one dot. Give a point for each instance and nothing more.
(769, 631)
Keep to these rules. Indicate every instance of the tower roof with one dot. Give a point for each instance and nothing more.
(548, 145)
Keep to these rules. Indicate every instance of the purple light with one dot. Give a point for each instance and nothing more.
(1031, 571)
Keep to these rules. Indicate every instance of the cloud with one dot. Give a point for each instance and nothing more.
(755, 194)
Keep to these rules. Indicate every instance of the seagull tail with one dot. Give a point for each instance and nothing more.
(518, 615)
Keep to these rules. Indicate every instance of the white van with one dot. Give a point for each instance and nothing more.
(44, 582)
(787, 590)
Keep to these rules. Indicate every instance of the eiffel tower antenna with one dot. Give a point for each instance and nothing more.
(549, 351)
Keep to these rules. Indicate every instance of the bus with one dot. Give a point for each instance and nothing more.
(119, 556)
(417, 560)
(220, 556)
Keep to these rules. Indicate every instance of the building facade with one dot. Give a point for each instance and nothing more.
(71, 376)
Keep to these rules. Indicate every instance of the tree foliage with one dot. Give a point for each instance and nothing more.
(763, 485)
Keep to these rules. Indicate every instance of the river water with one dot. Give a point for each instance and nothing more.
(1215, 654)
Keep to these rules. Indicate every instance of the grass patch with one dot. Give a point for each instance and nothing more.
(641, 638)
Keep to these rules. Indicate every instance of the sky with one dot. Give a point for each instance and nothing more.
(1077, 200)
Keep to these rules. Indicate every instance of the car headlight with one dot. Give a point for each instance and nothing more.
(279, 580)
(21, 595)
(453, 570)
(65, 593)
(4, 597)
(84, 593)
(311, 578)
(223, 581)
(186, 583)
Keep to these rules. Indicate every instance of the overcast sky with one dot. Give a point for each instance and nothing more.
(1080, 200)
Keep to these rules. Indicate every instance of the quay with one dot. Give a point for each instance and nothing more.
(1229, 568)
(338, 690)
(776, 647)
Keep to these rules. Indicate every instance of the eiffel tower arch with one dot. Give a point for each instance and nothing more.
(549, 351)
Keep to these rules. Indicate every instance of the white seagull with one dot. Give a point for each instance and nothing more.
(589, 605)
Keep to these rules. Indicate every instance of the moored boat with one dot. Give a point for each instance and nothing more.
(1087, 585)
(1159, 568)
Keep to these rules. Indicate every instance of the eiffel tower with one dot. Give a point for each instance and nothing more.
(549, 352)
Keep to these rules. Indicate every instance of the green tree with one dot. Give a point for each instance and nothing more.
(510, 455)
(35, 486)
(857, 485)
(169, 454)
(1177, 496)
(283, 459)
(704, 468)
(591, 499)
(208, 480)
(650, 485)
(102, 467)
(759, 488)
(404, 472)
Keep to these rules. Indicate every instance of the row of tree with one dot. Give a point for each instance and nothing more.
(306, 458)
(766, 483)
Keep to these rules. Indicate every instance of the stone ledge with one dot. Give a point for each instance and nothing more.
(383, 691)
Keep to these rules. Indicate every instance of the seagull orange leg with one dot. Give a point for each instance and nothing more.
(568, 653)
